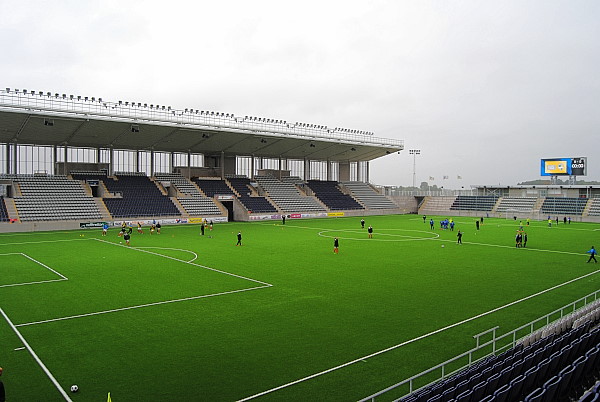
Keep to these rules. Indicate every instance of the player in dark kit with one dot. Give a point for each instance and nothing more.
(370, 230)
(362, 223)
(336, 245)
(459, 237)
(239, 237)
(2, 393)
(592, 254)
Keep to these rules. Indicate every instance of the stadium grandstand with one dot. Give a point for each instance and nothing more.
(70, 162)
(132, 160)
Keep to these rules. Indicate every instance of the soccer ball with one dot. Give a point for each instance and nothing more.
(74, 388)
(443, 246)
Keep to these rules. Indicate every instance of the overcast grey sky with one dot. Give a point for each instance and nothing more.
(485, 89)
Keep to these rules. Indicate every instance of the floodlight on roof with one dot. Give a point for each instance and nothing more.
(78, 97)
(145, 105)
(48, 94)
(93, 99)
(25, 91)
(99, 99)
(135, 128)
(40, 93)
(7, 89)
(71, 97)
(48, 122)
(64, 96)
(86, 98)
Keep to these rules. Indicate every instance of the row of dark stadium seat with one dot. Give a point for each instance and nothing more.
(3, 211)
(329, 194)
(556, 367)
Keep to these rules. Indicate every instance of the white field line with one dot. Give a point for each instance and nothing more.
(176, 249)
(31, 283)
(140, 306)
(186, 262)
(521, 248)
(63, 278)
(45, 266)
(42, 241)
(36, 358)
(437, 331)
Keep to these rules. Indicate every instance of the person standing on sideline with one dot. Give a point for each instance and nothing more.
(283, 219)
(2, 393)
(336, 245)
(569, 220)
(592, 253)
(424, 218)
(564, 220)
(477, 224)
(431, 224)
(202, 229)
(239, 237)
(370, 230)
(524, 239)
(459, 237)
(362, 223)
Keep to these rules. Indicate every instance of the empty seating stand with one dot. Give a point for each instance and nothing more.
(516, 204)
(47, 198)
(287, 196)
(3, 211)
(474, 203)
(330, 194)
(213, 187)
(194, 203)
(367, 196)
(594, 207)
(252, 204)
(556, 367)
(564, 205)
(139, 196)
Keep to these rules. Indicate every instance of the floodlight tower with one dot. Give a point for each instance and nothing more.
(414, 153)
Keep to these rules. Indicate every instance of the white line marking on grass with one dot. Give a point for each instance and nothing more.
(379, 234)
(186, 262)
(42, 241)
(176, 249)
(21, 348)
(31, 283)
(139, 306)
(45, 266)
(37, 359)
(63, 278)
(437, 331)
(517, 248)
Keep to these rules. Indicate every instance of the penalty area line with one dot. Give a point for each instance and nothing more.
(36, 358)
(437, 331)
(139, 306)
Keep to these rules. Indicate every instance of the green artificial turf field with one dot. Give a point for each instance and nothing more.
(181, 317)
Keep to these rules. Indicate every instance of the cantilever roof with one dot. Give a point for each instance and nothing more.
(46, 119)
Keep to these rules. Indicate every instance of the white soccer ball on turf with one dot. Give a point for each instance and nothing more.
(443, 246)
(74, 388)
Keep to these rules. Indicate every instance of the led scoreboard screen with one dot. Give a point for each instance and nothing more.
(564, 167)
